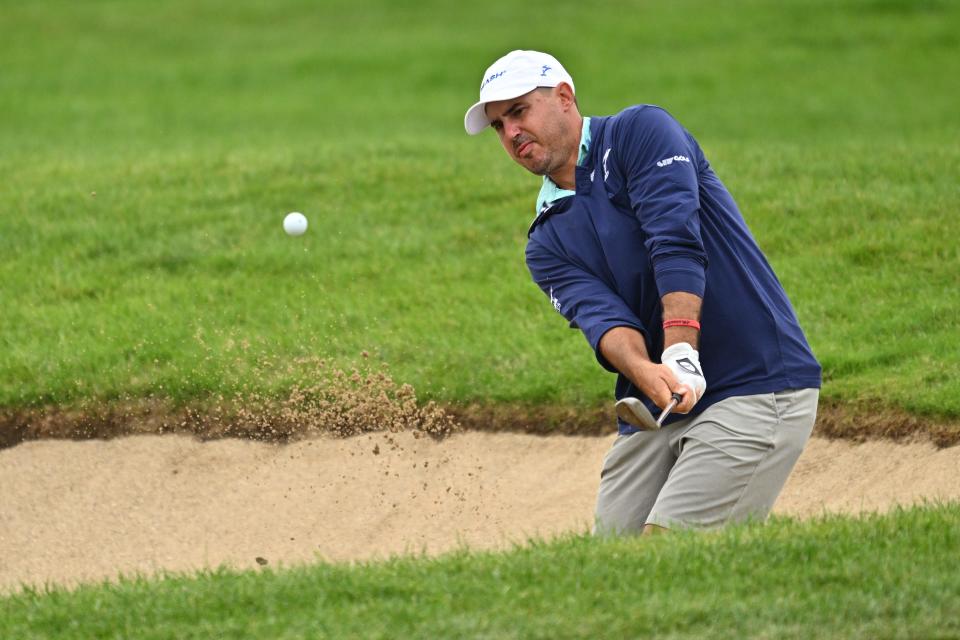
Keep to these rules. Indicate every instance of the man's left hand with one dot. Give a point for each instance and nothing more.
(684, 361)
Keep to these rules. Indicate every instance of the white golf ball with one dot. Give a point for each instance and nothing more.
(295, 224)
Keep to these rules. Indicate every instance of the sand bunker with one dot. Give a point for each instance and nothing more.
(80, 511)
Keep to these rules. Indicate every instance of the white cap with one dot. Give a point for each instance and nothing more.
(511, 76)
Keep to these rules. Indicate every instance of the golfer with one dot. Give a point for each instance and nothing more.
(637, 243)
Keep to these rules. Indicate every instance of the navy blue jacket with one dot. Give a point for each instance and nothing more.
(649, 218)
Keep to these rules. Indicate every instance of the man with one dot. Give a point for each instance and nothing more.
(639, 244)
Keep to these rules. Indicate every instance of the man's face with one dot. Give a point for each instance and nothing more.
(534, 129)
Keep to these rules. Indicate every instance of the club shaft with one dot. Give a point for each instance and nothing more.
(670, 407)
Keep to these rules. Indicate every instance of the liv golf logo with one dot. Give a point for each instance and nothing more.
(666, 162)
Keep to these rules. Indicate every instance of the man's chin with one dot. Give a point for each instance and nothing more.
(535, 169)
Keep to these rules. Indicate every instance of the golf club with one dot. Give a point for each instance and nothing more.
(634, 412)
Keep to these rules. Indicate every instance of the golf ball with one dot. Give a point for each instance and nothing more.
(295, 224)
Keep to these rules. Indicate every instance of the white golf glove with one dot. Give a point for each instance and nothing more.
(684, 361)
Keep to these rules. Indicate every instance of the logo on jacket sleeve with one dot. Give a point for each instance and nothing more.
(606, 174)
(554, 301)
(666, 162)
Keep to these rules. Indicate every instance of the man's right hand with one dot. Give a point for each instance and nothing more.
(624, 348)
(659, 382)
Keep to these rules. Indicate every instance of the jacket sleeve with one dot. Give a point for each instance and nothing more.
(659, 160)
(581, 297)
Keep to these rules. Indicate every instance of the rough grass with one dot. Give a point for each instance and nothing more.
(890, 576)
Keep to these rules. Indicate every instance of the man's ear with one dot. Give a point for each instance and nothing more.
(565, 93)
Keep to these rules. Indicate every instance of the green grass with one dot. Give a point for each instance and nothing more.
(199, 125)
(891, 576)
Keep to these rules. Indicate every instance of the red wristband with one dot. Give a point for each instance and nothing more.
(681, 323)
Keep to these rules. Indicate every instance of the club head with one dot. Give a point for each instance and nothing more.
(634, 412)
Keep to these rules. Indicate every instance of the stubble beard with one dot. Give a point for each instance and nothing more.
(546, 166)
(553, 158)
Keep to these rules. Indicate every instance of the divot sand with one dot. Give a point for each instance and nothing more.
(72, 512)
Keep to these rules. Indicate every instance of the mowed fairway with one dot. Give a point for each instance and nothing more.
(149, 152)
(199, 125)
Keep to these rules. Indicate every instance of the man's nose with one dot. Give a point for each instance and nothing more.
(512, 129)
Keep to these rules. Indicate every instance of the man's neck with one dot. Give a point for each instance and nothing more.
(566, 176)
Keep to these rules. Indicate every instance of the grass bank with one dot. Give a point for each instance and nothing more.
(890, 576)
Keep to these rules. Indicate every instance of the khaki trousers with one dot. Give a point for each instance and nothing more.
(726, 464)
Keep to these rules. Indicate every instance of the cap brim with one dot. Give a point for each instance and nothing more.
(476, 119)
